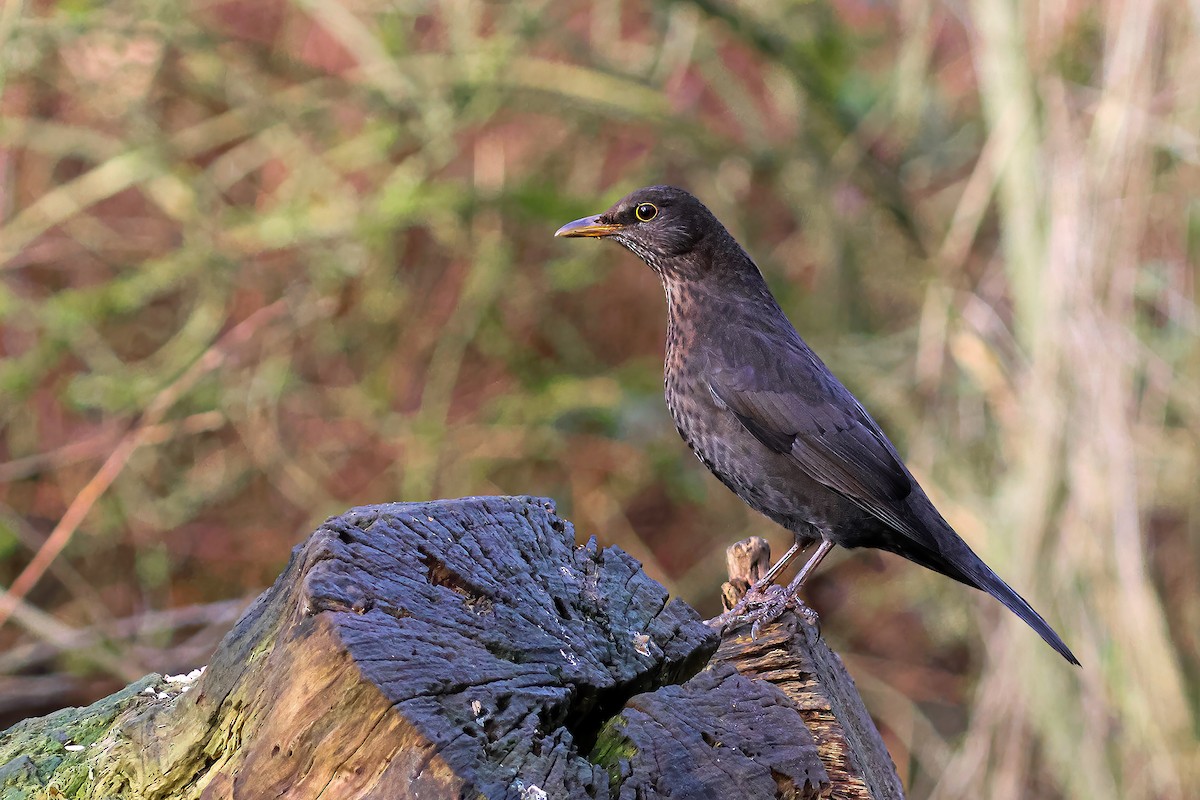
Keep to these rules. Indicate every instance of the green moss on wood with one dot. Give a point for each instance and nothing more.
(613, 751)
(33, 753)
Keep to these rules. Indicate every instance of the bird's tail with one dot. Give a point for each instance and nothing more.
(983, 578)
(950, 555)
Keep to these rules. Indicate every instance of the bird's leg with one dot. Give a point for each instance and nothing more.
(808, 568)
(777, 604)
(787, 558)
(758, 592)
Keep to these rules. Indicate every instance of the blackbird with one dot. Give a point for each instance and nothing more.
(768, 418)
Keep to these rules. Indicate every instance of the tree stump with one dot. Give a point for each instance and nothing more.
(467, 649)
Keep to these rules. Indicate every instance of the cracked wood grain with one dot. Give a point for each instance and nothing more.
(451, 649)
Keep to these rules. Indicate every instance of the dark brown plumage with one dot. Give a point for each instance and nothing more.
(766, 416)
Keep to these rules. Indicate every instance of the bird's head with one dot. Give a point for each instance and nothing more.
(661, 225)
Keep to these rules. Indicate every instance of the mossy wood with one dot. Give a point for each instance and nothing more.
(468, 649)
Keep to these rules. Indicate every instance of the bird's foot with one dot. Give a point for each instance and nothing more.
(762, 605)
(755, 597)
(779, 602)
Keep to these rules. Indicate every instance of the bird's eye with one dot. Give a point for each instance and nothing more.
(646, 211)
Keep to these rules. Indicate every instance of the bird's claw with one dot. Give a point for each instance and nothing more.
(737, 613)
(762, 606)
(809, 615)
(771, 611)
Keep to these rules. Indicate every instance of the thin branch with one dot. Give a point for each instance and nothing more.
(79, 508)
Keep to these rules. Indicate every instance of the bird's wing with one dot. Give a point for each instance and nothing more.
(788, 401)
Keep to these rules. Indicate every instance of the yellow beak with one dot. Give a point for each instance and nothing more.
(588, 226)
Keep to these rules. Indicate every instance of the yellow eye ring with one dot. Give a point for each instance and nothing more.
(646, 211)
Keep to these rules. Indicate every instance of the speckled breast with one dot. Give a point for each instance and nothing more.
(769, 482)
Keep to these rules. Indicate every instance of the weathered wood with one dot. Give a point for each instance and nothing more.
(717, 733)
(451, 649)
(746, 561)
(791, 655)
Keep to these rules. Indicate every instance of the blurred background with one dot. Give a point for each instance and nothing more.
(263, 260)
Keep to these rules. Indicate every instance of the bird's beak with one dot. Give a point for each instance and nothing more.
(588, 226)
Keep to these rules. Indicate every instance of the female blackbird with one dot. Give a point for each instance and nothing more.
(766, 416)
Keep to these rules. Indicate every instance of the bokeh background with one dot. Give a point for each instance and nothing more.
(262, 260)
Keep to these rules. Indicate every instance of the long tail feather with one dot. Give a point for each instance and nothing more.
(968, 568)
(990, 582)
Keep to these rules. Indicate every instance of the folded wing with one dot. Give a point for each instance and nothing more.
(793, 407)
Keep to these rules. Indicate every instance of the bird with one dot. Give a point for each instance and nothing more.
(761, 410)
